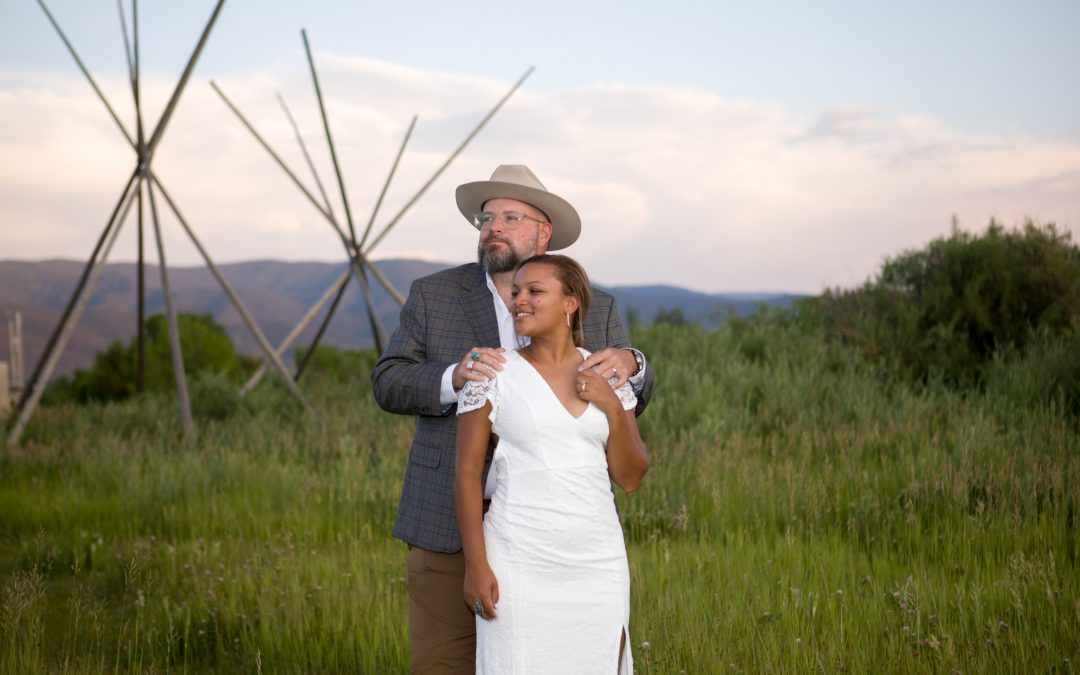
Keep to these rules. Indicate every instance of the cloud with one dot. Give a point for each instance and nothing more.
(675, 185)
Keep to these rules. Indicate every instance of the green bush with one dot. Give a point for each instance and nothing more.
(205, 346)
(1048, 374)
(946, 310)
(214, 396)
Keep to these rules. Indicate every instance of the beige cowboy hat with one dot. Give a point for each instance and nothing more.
(516, 181)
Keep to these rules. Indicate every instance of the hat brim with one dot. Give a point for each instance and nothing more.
(564, 218)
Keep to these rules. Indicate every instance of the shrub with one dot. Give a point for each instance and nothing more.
(205, 346)
(946, 310)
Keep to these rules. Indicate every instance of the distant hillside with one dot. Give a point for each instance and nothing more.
(277, 293)
(704, 308)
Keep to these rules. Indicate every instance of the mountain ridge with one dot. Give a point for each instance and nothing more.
(277, 293)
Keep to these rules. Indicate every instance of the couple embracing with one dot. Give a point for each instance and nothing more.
(526, 390)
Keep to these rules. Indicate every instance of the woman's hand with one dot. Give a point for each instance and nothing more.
(594, 388)
(481, 584)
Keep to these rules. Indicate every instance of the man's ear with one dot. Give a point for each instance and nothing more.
(543, 237)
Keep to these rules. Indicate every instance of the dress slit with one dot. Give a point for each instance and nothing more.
(622, 667)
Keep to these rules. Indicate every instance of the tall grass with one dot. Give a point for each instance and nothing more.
(805, 512)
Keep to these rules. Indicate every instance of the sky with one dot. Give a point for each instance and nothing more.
(721, 147)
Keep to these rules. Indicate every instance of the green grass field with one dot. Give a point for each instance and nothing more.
(805, 513)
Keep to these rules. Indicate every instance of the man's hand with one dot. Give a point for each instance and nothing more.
(480, 363)
(609, 363)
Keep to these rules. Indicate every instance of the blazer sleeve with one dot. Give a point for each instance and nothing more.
(403, 380)
(617, 337)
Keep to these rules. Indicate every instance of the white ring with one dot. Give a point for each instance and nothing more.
(468, 365)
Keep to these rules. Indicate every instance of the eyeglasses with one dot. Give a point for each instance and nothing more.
(511, 219)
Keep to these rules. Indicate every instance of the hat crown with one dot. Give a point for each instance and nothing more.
(518, 182)
(518, 174)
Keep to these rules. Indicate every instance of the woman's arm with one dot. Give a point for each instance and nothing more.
(626, 455)
(473, 434)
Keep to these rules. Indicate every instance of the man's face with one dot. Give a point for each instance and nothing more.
(505, 243)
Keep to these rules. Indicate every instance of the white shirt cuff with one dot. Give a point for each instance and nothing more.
(447, 395)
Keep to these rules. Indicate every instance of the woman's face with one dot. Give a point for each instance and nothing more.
(539, 303)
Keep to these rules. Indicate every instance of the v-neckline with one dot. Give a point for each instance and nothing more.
(552, 391)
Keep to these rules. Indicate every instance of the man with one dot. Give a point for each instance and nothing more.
(454, 327)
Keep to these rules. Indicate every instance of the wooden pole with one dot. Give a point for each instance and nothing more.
(5, 393)
(51, 345)
(268, 350)
(451, 158)
(140, 328)
(15, 350)
(32, 394)
(307, 156)
(329, 139)
(330, 292)
(171, 319)
(350, 250)
(175, 98)
(381, 278)
(322, 328)
(89, 77)
(386, 185)
(377, 329)
(280, 162)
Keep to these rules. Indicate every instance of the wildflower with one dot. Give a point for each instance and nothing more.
(1002, 625)
(645, 646)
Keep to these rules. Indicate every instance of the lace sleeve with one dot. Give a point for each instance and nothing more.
(475, 394)
(626, 396)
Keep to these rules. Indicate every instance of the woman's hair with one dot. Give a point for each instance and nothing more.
(575, 283)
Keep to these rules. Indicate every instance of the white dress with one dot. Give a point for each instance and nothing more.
(552, 533)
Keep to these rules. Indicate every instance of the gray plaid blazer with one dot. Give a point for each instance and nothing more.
(446, 314)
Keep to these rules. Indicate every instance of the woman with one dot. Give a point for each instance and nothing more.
(546, 571)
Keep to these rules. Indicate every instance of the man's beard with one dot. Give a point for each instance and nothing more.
(495, 260)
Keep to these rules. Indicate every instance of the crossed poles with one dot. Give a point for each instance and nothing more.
(359, 256)
(143, 181)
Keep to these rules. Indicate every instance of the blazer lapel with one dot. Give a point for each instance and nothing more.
(480, 312)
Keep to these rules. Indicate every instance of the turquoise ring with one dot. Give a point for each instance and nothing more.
(475, 356)
(478, 607)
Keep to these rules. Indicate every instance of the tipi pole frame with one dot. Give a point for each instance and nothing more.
(140, 177)
(36, 388)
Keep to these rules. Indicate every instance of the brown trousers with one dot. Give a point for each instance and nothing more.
(442, 630)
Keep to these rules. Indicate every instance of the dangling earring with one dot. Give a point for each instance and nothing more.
(568, 320)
